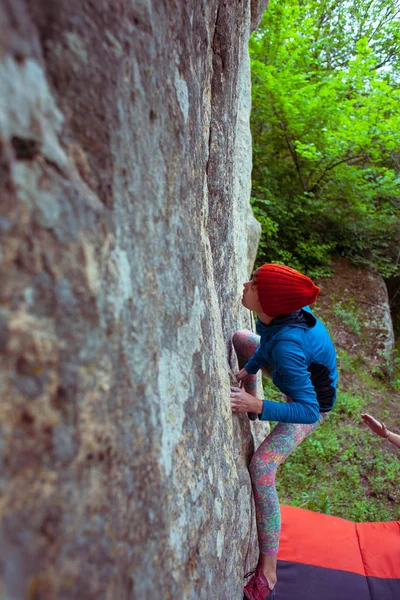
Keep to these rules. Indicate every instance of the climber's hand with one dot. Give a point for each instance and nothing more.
(241, 375)
(376, 426)
(241, 401)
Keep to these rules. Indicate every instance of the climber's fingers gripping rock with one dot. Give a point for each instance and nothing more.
(241, 401)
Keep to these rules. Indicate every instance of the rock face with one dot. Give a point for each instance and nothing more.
(125, 237)
(355, 301)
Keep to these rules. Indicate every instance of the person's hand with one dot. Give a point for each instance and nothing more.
(376, 426)
(241, 401)
(241, 375)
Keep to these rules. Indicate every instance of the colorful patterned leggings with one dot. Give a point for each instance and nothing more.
(276, 447)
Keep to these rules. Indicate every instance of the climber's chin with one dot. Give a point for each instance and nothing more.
(244, 303)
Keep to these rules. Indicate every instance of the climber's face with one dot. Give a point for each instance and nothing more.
(250, 296)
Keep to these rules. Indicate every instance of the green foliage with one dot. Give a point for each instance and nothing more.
(326, 132)
(348, 312)
(347, 361)
(388, 367)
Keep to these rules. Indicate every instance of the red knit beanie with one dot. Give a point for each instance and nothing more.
(282, 290)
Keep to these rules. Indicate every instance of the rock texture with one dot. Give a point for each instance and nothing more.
(355, 301)
(125, 237)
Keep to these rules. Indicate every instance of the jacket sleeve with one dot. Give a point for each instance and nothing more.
(255, 363)
(295, 382)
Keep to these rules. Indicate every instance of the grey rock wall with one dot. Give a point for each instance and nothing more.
(125, 236)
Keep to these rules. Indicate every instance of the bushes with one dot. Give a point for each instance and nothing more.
(326, 134)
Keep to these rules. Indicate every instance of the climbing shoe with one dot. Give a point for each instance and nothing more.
(257, 587)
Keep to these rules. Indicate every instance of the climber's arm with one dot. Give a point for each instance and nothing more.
(297, 385)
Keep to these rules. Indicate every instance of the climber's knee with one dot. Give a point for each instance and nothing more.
(240, 336)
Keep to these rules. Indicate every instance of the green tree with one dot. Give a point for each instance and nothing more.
(326, 132)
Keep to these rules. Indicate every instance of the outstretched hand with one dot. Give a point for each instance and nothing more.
(376, 426)
(241, 401)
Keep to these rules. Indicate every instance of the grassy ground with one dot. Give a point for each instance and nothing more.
(343, 469)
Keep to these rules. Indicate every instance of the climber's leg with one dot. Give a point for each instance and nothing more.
(246, 343)
(284, 438)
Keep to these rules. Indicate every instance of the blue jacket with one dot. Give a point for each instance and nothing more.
(301, 352)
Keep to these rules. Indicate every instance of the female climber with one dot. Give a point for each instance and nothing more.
(295, 347)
